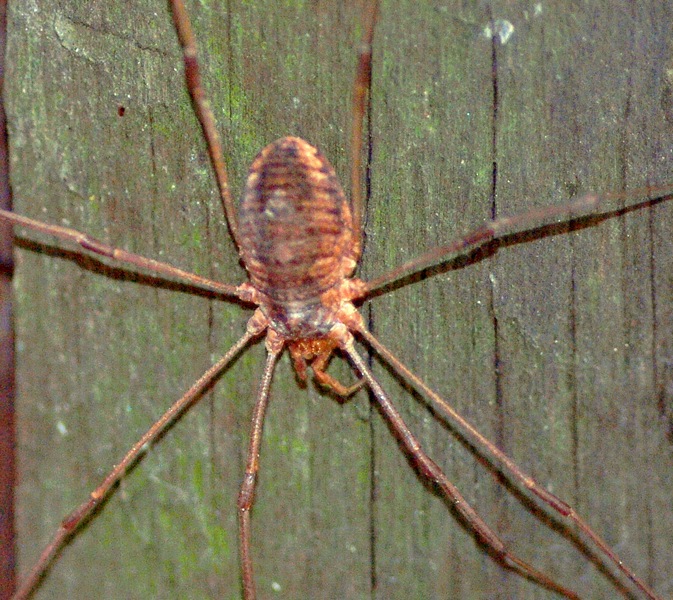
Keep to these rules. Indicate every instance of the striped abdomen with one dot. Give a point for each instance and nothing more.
(296, 225)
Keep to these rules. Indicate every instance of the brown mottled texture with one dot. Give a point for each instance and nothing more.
(296, 238)
(296, 225)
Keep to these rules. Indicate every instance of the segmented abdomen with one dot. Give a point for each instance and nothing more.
(295, 223)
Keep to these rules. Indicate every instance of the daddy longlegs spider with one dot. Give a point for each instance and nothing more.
(65, 26)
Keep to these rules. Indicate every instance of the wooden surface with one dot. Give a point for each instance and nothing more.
(557, 346)
(8, 444)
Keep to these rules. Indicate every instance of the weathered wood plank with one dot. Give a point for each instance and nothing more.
(557, 347)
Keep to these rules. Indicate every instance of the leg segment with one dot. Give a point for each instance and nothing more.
(203, 112)
(72, 522)
(431, 471)
(586, 205)
(507, 465)
(362, 87)
(95, 246)
(246, 495)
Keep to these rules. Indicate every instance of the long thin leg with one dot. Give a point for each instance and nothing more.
(507, 464)
(246, 495)
(72, 522)
(204, 113)
(361, 89)
(430, 470)
(86, 242)
(583, 206)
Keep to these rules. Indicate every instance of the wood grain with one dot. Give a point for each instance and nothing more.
(556, 346)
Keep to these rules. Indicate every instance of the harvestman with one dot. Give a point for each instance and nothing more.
(300, 241)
